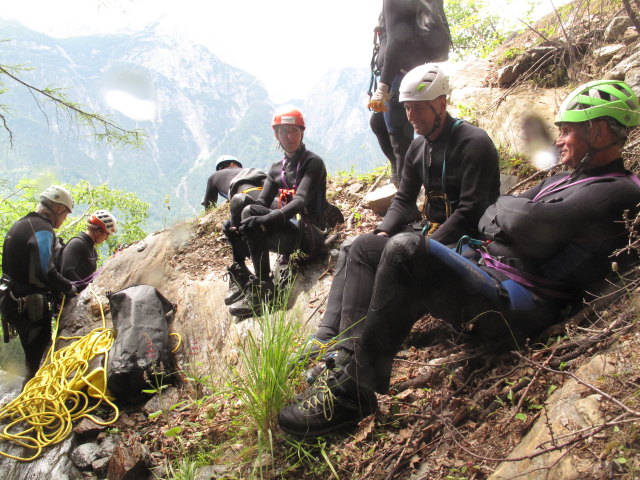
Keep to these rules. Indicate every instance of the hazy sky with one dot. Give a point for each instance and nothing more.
(287, 44)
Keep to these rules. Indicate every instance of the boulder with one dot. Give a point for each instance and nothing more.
(569, 409)
(616, 28)
(83, 456)
(606, 53)
(129, 463)
(379, 200)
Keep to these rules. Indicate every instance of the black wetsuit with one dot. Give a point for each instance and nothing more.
(218, 185)
(396, 57)
(79, 258)
(306, 175)
(472, 184)
(550, 245)
(27, 260)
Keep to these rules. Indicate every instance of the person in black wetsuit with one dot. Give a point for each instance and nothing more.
(455, 162)
(79, 257)
(227, 167)
(30, 276)
(544, 249)
(396, 55)
(289, 213)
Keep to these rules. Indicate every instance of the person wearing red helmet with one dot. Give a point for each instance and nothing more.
(289, 213)
(79, 258)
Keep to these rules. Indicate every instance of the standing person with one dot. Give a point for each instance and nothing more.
(547, 248)
(455, 162)
(79, 258)
(397, 50)
(29, 272)
(289, 213)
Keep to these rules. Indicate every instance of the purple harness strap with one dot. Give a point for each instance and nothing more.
(523, 278)
(556, 187)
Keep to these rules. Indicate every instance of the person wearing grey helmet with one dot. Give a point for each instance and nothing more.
(29, 275)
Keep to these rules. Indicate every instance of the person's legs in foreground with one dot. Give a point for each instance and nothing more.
(415, 276)
(352, 296)
(238, 272)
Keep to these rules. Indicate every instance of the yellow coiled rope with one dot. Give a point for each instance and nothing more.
(66, 388)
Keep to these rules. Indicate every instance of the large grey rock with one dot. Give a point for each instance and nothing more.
(83, 456)
(570, 409)
(619, 71)
(379, 200)
(606, 53)
(616, 29)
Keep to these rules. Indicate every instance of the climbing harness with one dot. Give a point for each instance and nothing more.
(66, 388)
(430, 227)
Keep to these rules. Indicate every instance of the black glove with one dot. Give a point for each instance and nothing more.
(263, 221)
(73, 292)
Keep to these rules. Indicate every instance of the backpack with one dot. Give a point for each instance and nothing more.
(58, 249)
(432, 34)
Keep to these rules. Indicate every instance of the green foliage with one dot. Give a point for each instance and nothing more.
(262, 380)
(128, 209)
(477, 27)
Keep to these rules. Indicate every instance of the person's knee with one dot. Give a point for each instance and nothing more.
(403, 247)
(238, 202)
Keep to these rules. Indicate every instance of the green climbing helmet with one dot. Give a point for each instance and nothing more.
(601, 98)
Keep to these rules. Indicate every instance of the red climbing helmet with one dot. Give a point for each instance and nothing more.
(288, 116)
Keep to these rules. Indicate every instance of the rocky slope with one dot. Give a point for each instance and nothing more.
(563, 407)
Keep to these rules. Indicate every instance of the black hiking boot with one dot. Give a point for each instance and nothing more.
(334, 402)
(238, 276)
(257, 295)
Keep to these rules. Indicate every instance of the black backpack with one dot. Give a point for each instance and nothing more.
(433, 36)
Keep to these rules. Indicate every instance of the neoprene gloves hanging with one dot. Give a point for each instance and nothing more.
(378, 100)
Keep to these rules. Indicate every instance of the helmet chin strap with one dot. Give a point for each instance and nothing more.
(436, 124)
(589, 156)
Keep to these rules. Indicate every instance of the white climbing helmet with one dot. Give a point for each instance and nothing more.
(425, 82)
(105, 220)
(57, 194)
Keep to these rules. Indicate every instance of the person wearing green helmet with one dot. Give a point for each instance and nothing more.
(540, 253)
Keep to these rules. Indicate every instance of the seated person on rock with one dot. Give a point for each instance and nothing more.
(544, 249)
(455, 162)
(78, 261)
(287, 216)
(228, 168)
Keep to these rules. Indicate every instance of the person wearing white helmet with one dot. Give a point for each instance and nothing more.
(29, 274)
(78, 261)
(227, 167)
(457, 165)
(540, 256)
(397, 50)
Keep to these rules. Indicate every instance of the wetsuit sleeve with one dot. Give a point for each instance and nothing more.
(403, 204)
(479, 187)
(312, 177)
(42, 262)
(73, 256)
(400, 15)
(211, 194)
(541, 229)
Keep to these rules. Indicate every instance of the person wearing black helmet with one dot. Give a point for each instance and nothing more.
(540, 253)
(289, 213)
(29, 274)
